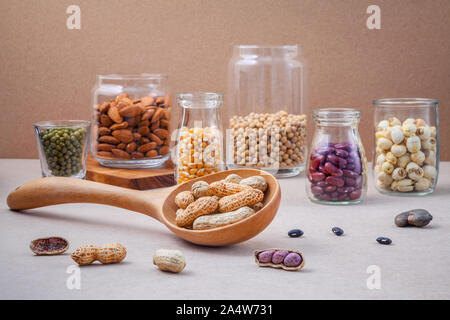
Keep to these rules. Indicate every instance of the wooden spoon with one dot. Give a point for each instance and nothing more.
(157, 203)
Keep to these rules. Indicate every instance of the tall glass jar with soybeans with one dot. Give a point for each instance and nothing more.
(406, 156)
(263, 116)
(199, 150)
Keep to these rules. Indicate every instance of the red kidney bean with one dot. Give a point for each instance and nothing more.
(324, 150)
(333, 170)
(349, 173)
(315, 163)
(345, 145)
(350, 166)
(341, 153)
(317, 176)
(355, 194)
(325, 197)
(345, 189)
(342, 197)
(335, 181)
(321, 184)
(349, 181)
(340, 162)
(316, 190)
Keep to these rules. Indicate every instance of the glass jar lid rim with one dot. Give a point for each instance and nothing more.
(336, 113)
(405, 101)
(138, 76)
(200, 96)
(63, 123)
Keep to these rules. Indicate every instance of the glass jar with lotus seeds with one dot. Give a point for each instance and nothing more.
(406, 152)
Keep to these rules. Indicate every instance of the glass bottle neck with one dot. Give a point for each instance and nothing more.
(200, 118)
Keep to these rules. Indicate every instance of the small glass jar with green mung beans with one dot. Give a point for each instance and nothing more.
(62, 147)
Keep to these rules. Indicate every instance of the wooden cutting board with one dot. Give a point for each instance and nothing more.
(139, 179)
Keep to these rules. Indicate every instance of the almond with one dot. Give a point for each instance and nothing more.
(130, 111)
(164, 150)
(161, 133)
(121, 154)
(123, 104)
(158, 114)
(122, 96)
(155, 138)
(164, 123)
(147, 147)
(104, 107)
(109, 140)
(144, 140)
(155, 125)
(105, 147)
(148, 114)
(105, 120)
(137, 155)
(144, 123)
(121, 146)
(123, 135)
(159, 100)
(136, 136)
(147, 100)
(132, 121)
(117, 126)
(143, 131)
(113, 113)
(131, 147)
(103, 131)
(151, 154)
(167, 114)
(104, 154)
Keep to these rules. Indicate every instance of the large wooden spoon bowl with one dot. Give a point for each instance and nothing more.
(158, 203)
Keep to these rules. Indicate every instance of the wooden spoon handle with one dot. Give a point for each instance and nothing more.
(57, 190)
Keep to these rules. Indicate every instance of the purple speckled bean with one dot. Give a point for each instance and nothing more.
(292, 260)
(279, 256)
(265, 256)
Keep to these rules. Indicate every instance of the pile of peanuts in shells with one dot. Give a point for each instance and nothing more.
(126, 128)
(405, 155)
(199, 152)
(265, 140)
(220, 203)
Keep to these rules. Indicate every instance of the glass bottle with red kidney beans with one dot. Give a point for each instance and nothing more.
(337, 166)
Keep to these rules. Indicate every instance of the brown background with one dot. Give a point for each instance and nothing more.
(47, 71)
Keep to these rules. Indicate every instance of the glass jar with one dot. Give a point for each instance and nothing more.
(406, 153)
(265, 125)
(199, 139)
(337, 165)
(131, 115)
(63, 147)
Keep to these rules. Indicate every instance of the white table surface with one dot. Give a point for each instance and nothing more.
(415, 266)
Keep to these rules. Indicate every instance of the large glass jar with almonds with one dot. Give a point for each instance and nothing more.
(266, 127)
(130, 119)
